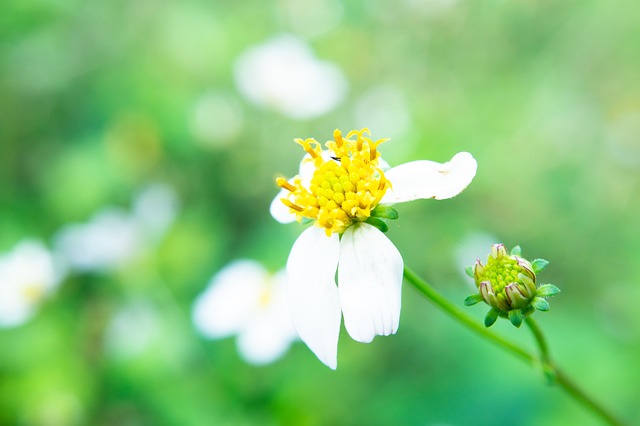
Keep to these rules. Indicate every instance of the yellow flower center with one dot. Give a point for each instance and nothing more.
(346, 185)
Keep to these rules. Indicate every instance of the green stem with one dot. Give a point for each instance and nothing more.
(559, 378)
(461, 316)
(540, 340)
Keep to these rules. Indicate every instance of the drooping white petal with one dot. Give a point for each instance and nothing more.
(313, 295)
(428, 179)
(278, 210)
(230, 300)
(369, 283)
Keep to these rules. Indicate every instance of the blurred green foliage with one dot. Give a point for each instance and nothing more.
(98, 99)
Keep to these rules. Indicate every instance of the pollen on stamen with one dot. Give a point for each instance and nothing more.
(337, 136)
(306, 144)
(284, 184)
(346, 185)
(292, 205)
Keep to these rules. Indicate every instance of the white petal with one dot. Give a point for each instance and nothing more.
(231, 299)
(270, 332)
(369, 282)
(307, 168)
(428, 179)
(383, 164)
(313, 295)
(278, 210)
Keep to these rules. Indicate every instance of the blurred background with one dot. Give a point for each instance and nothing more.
(139, 142)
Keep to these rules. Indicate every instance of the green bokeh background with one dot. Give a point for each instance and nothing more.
(96, 100)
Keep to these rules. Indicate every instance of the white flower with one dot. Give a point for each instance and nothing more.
(107, 241)
(284, 74)
(112, 237)
(244, 300)
(339, 188)
(27, 274)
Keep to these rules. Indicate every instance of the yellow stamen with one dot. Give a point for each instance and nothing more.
(337, 136)
(346, 185)
(284, 184)
(291, 205)
(306, 144)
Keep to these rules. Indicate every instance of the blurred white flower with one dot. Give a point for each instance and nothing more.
(284, 74)
(107, 241)
(28, 273)
(243, 299)
(154, 209)
(113, 236)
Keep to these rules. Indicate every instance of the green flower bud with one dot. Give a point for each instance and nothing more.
(507, 283)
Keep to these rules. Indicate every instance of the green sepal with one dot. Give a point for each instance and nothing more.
(473, 299)
(539, 265)
(516, 317)
(491, 318)
(516, 251)
(386, 212)
(305, 220)
(469, 271)
(547, 290)
(540, 304)
(378, 223)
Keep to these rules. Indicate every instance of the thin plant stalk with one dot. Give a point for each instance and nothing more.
(555, 375)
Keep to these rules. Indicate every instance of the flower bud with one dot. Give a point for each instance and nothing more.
(507, 283)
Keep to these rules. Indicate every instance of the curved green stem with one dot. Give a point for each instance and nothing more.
(461, 316)
(557, 376)
(540, 340)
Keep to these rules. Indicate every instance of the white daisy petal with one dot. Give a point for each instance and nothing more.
(269, 333)
(428, 179)
(313, 295)
(383, 164)
(232, 296)
(263, 342)
(278, 210)
(306, 170)
(370, 281)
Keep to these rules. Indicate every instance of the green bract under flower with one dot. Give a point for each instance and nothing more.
(507, 283)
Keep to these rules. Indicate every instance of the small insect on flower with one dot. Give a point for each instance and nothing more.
(346, 190)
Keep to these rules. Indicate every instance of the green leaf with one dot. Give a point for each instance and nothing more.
(386, 212)
(469, 271)
(378, 223)
(473, 299)
(491, 318)
(306, 220)
(539, 265)
(540, 304)
(547, 290)
(516, 251)
(516, 317)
